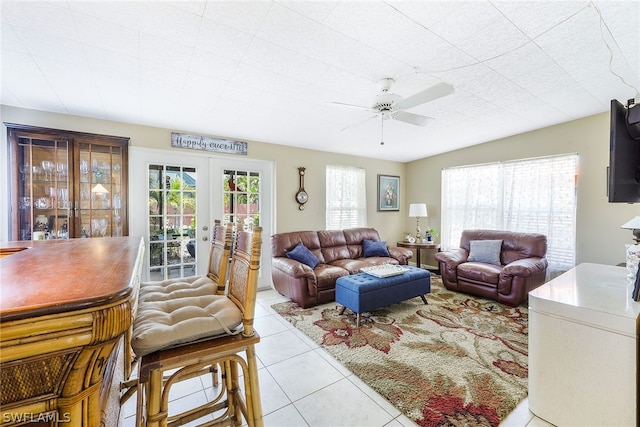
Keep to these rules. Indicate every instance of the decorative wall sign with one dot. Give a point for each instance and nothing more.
(206, 143)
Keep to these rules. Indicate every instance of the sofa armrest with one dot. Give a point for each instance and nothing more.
(525, 267)
(403, 255)
(292, 267)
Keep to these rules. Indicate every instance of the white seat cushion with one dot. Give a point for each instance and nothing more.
(176, 312)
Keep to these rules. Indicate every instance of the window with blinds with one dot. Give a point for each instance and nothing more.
(346, 197)
(531, 195)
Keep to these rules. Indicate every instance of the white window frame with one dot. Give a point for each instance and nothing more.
(346, 201)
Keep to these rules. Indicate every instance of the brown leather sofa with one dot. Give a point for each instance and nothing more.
(521, 267)
(339, 253)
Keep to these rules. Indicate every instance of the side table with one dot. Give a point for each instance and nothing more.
(418, 248)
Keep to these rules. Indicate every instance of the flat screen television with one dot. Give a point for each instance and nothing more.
(624, 153)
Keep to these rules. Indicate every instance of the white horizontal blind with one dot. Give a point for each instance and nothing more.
(346, 197)
(531, 196)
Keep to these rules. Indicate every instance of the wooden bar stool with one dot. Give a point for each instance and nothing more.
(214, 282)
(188, 334)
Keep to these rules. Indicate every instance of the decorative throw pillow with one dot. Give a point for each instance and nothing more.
(374, 248)
(487, 251)
(302, 254)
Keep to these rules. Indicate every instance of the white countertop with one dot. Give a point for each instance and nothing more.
(594, 294)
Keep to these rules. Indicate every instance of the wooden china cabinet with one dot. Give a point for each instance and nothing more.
(67, 184)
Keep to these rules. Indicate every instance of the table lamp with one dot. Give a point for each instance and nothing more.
(416, 210)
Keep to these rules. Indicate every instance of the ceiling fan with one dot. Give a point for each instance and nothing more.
(388, 105)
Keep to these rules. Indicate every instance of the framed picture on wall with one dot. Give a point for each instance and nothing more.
(388, 193)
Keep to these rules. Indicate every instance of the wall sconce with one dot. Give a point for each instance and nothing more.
(417, 210)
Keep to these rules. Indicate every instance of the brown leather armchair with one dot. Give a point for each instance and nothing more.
(521, 266)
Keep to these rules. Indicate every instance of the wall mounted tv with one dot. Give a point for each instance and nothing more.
(624, 153)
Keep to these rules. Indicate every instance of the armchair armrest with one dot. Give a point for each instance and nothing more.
(449, 262)
(403, 255)
(452, 258)
(292, 268)
(525, 267)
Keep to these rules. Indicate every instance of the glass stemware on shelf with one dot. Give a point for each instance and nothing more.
(84, 170)
(99, 227)
(48, 167)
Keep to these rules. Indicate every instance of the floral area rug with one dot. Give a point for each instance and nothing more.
(458, 361)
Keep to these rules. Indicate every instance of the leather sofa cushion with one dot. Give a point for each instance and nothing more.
(479, 272)
(326, 276)
(334, 245)
(175, 312)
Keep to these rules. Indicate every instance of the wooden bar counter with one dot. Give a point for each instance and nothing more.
(65, 306)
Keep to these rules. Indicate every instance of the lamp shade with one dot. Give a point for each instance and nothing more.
(417, 210)
(99, 188)
(632, 224)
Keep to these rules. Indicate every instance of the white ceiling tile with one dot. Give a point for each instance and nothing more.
(536, 17)
(195, 7)
(315, 10)
(620, 20)
(245, 16)
(74, 86)
(279, 60)
(38, 94)
(165, 52)
(165, 75)
(7, 97)
(223, 40)
(465, 20)
(207, 85)
(164, 20)
(10, 40)
(209, 64)
(106, 62)
(52, 17)
(128, 14)
(40, 44)
(497, 38)
(107, 35)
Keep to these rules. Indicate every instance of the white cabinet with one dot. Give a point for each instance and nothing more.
(583, 348)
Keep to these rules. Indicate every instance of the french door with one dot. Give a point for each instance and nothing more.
(176, 197)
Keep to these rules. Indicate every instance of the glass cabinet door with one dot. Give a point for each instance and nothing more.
(42, 189)
(99, 208)
(67, 184)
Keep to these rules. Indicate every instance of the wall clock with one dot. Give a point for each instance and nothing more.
(301, 195)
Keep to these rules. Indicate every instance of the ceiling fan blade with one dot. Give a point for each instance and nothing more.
(414, 119)
(342, 104)
(359, 123)
(434, 92)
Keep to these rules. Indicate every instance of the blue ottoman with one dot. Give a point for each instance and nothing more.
(364, 292)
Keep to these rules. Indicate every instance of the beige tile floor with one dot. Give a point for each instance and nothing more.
(303, 385)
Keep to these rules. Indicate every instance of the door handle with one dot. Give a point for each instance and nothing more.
(205, 238)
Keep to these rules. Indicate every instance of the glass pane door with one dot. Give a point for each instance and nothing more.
(172, 221)
(241, 194)
(43, 189)
(100, 190)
